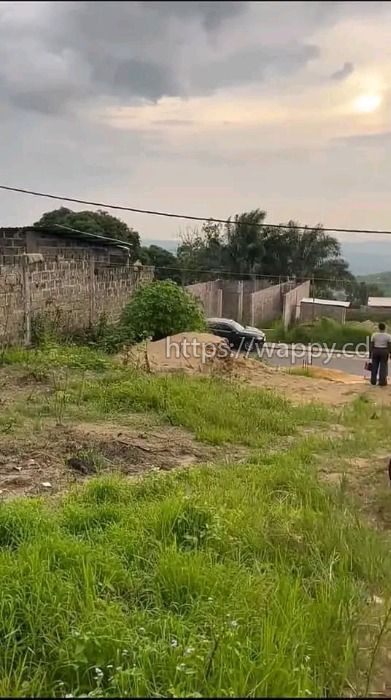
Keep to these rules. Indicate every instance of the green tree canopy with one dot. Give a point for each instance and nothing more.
(165, 263)
(247, 245)
(99, 222)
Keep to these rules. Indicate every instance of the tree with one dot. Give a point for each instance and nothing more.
(98, 222)
(165, 263)
(360, 291)
(160, 309)
(202, 252)
(245, 242)
(247, 245)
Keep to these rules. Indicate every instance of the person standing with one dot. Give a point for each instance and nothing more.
(380, 349)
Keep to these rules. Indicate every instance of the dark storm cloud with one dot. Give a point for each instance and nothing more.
(67, 52)
(59, 55)
(344, 72)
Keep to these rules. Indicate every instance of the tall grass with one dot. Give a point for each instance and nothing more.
(215, 410)
(242, 581)
(324, 330)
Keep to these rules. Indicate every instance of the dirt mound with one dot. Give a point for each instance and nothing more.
(203, 353)
(193, 353)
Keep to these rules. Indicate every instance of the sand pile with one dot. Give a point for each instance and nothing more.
(204, 353)
(193, 353)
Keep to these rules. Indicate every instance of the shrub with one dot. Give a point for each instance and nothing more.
(160, 309)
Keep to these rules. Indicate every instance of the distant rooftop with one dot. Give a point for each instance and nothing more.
(326, 302)
(384, 302)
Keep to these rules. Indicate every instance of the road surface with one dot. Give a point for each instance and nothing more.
(285, 357)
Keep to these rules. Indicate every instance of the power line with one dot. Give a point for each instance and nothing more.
(172, 215)
(282, 278)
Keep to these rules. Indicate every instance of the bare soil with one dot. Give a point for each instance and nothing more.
(60, 455)
(183, 353)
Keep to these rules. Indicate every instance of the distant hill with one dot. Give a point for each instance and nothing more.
(382, 279)
(367, 257)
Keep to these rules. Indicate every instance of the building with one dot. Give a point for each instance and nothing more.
(57, 243)
(63, 277)
(311, 308)
(379, 303)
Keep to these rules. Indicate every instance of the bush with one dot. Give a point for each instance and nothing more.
(160, 309)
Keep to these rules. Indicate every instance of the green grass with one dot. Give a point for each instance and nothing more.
(216, 411)
(55, 356)
(325, 331)
(244, 581)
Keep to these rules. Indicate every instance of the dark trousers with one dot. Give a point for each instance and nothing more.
(379, 366)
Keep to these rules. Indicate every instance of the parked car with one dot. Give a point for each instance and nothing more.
(242, 337)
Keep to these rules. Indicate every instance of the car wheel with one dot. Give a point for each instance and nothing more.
(248, 344)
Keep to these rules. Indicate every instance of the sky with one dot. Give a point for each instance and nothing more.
(207, 108)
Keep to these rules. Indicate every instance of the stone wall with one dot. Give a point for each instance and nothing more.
(74, 293)
(291, 303)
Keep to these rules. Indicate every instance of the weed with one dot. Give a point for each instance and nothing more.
(224, 584)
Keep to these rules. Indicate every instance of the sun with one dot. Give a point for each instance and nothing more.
(367, 103)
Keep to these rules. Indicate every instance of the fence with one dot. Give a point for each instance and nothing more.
(75, 293)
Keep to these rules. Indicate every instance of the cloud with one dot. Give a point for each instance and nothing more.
(58, 56)
(380, 138)
(54, 55)
(251, 65)
(344, 72)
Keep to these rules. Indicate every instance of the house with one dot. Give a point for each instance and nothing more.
(311, 308)
(61, 243)
(379, 303)
(65, 278)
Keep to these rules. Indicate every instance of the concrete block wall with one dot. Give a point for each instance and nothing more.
(232, 299)
(252, 302)
(310, 311)
(114, 286)
(291, 303)
(209, 294)
(73, 293)
(12, 303)
(12, 244)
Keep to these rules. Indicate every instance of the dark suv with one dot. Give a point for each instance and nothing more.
(242, 337)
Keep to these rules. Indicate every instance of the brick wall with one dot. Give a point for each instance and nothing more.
(72, 292)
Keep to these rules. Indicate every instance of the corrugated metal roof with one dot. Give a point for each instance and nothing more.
(326, 302)
(384, 302)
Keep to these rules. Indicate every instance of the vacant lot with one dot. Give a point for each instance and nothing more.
(255, 573)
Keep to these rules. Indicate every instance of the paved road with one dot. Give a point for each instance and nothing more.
(285, 357)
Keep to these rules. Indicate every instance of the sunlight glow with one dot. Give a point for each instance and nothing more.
(368, 103)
